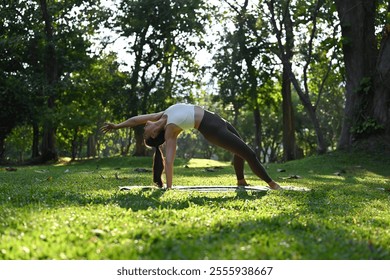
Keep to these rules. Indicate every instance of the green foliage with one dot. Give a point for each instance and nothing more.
(70, 212)
(383, 17)
(368, 126)
(365, 85)
(164, 39)
(163, 32)
(42, 50)
(19, 143)
(14, 92)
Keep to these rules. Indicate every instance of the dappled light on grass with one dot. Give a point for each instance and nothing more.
(204, 163)
(63, 161)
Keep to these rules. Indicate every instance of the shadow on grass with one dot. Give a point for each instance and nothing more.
(136, 200)
(321, 227)
(268, 238)
(145, 199)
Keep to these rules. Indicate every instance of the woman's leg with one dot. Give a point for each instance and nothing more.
(221, 133)
(238, 162)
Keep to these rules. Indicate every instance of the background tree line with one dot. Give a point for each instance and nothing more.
(295, 77)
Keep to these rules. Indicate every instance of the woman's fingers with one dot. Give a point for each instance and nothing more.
(107, 127)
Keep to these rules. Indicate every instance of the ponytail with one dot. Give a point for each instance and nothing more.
(158, 159)
(158, 167)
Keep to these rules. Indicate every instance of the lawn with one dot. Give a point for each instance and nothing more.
(76, 211)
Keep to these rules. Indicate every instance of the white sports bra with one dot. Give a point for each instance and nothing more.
(182, 115)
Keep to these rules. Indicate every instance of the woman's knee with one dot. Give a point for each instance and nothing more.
(251, 156)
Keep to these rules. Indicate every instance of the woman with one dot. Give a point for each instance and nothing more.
(216, 130)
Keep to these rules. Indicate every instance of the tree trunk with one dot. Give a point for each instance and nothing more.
(257, 118)
(74, 145)
(35, 143)
(2, 147)
(288, 119)
(360, 52)
(286, 54)
(126, 142)
(140, 149)
(80, 147)
(34, 61)
(288, 111)
(51, 69)
(133, 100)
(248, 56)
(236, 110)
(167, 62)
(381, 103)
(91, 146)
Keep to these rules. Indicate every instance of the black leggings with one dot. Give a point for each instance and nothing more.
(221, 133)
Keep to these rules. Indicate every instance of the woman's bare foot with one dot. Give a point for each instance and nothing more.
(274, 186)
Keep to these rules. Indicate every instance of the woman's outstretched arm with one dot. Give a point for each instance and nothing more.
(131, 122)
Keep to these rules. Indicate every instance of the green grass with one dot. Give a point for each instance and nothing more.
(75, 211)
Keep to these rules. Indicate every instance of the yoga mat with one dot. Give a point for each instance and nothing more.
(216, 188)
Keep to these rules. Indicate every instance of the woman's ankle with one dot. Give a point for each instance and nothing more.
(242, 182)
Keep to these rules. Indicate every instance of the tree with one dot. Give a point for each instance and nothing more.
(249, 52)
(367, 65)
(51, 74)
(93, 95)
(45, 41)
(289, 140)
(228, 70)
(283, 26)
(13, 79)
(163, 33)
(285, 54)
(243, 66)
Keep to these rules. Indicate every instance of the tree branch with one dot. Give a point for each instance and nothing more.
(310, 52)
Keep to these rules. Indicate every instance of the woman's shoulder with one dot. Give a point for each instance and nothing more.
(172, 130)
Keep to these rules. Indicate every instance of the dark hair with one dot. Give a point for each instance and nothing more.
(158, 160)
(155, 142)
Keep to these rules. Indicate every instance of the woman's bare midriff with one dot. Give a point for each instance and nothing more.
(199, 112)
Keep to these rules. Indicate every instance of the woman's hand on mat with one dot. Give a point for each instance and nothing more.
(108, 127)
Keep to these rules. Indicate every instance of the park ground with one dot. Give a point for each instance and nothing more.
(74, 210)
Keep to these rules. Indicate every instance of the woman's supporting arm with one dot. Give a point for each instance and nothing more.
(171, 133)
(170, 153)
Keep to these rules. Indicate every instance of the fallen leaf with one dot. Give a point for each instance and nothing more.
(98, 232)
(142, 170)
(209, 170)
(41, 171)
(10, 169)
(291, 177)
